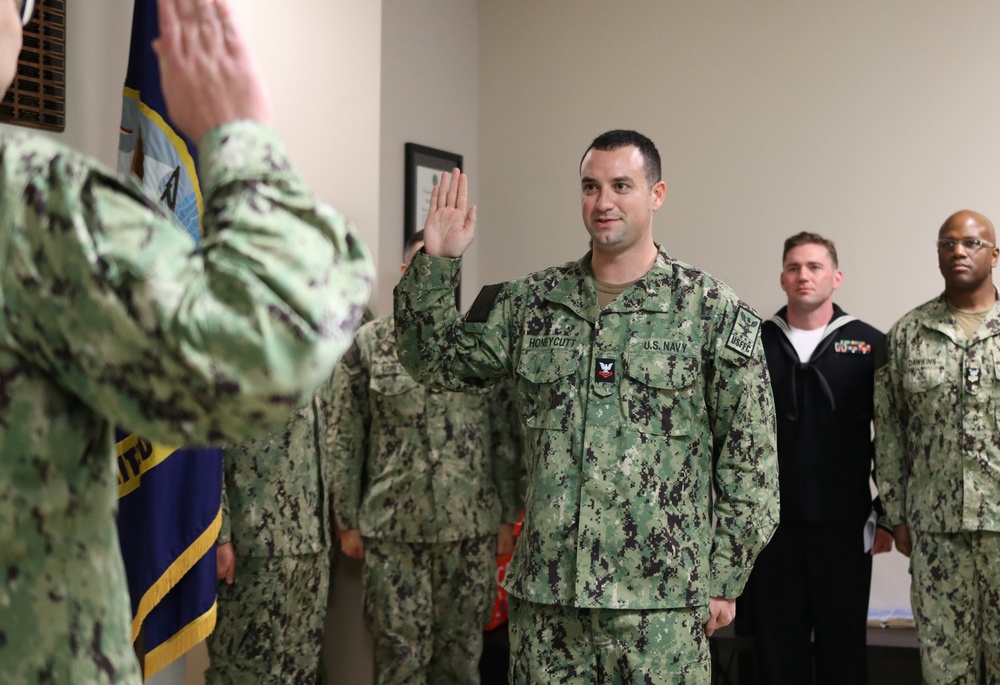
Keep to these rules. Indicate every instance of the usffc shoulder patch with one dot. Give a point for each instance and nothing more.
(481, 308)
(743, 336)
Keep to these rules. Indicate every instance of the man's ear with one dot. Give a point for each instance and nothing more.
(659, 193)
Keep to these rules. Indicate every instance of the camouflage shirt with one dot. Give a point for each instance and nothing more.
(274, 496)
(937, 398)
(633, 415)
(413, 464)
(111, 315)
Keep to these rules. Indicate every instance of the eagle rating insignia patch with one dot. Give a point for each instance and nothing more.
(604, 370)
(852, 347)
(972, 380)
(746, 328)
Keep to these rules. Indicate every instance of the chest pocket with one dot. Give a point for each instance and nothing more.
(391, 380)
(546, 386)
(659, 393)
(925, 378)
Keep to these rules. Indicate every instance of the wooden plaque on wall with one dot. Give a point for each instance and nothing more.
(37, 98)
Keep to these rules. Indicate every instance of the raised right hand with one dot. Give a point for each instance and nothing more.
(207, 73)
(449, 228)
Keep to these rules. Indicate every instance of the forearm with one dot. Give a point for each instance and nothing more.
(195, 347)
(346, 491)
(347, 439)
(890, 450)
(433, 342)
(508, 447)
(225, 531)
(746, 500)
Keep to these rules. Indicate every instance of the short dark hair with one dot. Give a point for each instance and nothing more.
(619, 138)
(806, 238)
(417, 237)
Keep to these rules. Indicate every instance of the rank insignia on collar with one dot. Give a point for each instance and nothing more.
(852, 347)
(972, 379)
(604, 370)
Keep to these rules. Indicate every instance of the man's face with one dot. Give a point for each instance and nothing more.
(618, 203)
(808, 277)
(966, 270)
(10, 41)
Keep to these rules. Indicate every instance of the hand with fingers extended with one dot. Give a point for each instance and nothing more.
(450, 226)
(207, 73)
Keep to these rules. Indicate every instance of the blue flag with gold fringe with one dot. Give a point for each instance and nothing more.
(169, 511)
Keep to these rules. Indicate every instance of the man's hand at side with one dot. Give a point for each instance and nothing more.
(225, 562)
(882, 542)
(722, 612)
(904, 543)
(351, 544)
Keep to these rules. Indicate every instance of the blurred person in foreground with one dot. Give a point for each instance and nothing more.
(112, 316)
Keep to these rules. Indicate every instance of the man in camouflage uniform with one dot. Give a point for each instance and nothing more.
(425, 491)
(642, 388)
(274, 556)
(937, 396)
(274, 553)
(110, 316)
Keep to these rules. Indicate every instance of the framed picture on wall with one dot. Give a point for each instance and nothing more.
(424, 166)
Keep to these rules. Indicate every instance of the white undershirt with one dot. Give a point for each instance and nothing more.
(805, 342)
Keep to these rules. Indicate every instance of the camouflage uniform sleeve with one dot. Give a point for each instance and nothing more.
(110, 296)
(347, 437)
(882, 521)
(435, 346)
(745, 457)
(890, 426)
(507, 438)
(324, 401)
(226, 529)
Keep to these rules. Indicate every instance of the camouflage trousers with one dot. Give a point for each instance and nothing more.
(270, 622)
(426, 605)
(956, 606)
(572, 646)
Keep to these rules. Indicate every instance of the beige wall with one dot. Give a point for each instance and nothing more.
(323, 76)
(867, 122)
(430, 81)
(322, 59)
